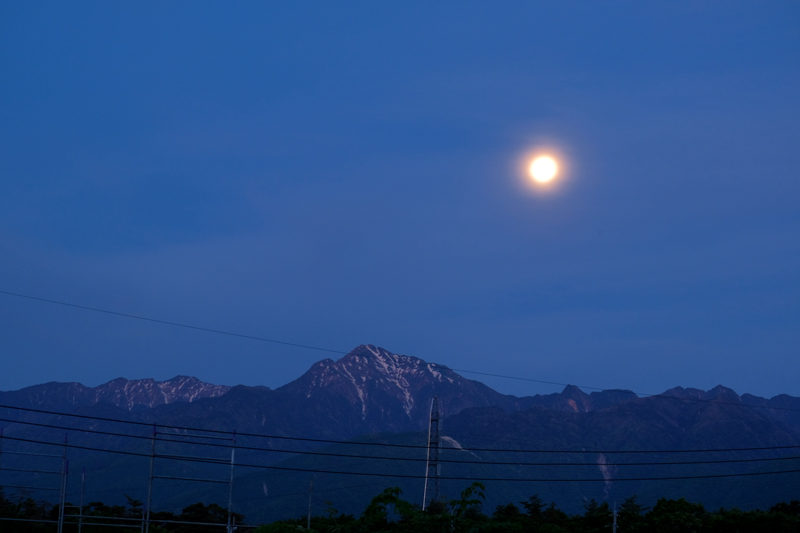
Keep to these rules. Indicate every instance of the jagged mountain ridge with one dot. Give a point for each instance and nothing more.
(368, 390)
(378, 382)
(372, 391)
(120, 392)
(150, 393)
(387, 391)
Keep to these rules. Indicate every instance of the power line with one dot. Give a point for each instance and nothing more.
(169, 323)
(412, 476)
(542, 381)
(412, 459)
(388, 445)
(341, 352)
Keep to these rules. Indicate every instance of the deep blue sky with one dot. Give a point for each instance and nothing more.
(345, 173)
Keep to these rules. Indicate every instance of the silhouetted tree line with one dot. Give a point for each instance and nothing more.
(29, 509)
(389, 513)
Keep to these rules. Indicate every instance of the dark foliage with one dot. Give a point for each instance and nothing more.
(29, 511)
(389, 513)
(464, 515)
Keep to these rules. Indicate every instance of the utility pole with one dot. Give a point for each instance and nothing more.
(146, 515)
(310, 493)
(63, 499)
(230, 486)
(80, 509)
(432, 466)
(614, 526)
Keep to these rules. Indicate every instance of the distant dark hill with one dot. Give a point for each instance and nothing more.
(374, 394)
(651, 425)
(656, 424)
(574, 400)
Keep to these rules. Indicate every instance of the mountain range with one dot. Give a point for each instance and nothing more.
(374, 395)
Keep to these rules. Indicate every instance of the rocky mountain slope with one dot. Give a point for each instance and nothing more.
(393, 391)
(372, 391)
(660, 427)
(368, 390)
(120, 392)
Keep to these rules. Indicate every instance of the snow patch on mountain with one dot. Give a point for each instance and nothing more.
(386, 386)
(130, 394)
(608, 470)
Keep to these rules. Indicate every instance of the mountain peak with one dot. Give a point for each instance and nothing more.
(718, 393)
(577, 400)
(722, 394)
(385, 385)
(369, 370)
(386, 363)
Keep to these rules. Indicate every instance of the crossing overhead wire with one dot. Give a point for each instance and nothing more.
(498, 463)
(415, 459)
(413, 476)
(381, 444)
(342, 352)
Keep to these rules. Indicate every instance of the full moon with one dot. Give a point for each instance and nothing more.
(543, 169)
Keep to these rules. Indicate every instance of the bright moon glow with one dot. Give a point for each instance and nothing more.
(543, 169)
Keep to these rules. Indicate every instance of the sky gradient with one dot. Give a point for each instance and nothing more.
(338, 174)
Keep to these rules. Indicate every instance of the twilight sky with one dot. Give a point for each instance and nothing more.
(343, 173)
